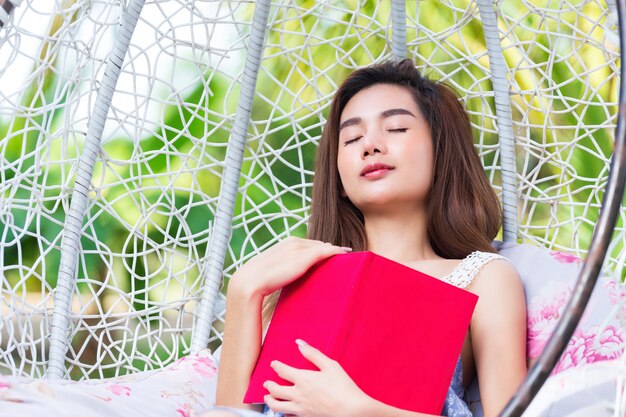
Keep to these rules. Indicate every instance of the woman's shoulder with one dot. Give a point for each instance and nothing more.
(463, 272)
(479, 263)
(491, 273)
(501, 299)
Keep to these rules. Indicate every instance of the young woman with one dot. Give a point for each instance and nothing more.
(396, 174)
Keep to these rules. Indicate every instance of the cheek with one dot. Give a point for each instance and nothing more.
(422, 155)
(425, 160)
(419, 160)
(342, 167)
(345, 169)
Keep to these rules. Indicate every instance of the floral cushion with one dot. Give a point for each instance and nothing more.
(549, 278)
(182, 389)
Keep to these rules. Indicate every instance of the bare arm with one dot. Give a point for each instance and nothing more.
(262, 275)
(498, 333)
(241, 345)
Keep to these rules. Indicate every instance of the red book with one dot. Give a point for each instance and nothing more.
(397, 332)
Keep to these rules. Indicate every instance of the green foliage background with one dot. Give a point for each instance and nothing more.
(133, 241)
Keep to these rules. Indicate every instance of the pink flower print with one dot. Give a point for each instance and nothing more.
(544, 311)
(200, 364)
(579, 351)
(119, 390)
(590, 346)
(617, 295)
(4, 385)
(184, 411)
(204, 366)
(611, 344)
(564, 257)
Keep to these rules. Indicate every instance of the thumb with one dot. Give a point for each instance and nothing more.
(313, 355)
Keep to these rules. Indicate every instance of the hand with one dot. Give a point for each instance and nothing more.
(329, 392)
(283, 263)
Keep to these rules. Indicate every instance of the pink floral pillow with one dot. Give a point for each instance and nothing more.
(183, 389)
(595, 347)
(549, 278)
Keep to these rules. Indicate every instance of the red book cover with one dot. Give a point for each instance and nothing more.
(396, 331)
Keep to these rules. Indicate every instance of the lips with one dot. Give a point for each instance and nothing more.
(375, 169)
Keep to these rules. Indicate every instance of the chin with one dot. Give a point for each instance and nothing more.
(386, 202)
(374, 203)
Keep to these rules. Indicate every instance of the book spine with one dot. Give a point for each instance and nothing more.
(346, 315)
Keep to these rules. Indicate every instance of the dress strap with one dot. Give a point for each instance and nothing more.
(469, 267)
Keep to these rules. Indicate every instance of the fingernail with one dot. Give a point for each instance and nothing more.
(272, 363)
(301, 342)
(265, 384)
(346, 249)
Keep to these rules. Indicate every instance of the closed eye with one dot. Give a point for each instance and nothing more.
(351, 141)
(398, 130)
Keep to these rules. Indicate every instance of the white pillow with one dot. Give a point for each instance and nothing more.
(181, 389)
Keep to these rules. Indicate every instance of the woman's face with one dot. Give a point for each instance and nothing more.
(385, 156)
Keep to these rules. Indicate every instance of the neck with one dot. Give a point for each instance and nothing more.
(400, 237)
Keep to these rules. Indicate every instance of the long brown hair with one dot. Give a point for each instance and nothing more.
(463, 210)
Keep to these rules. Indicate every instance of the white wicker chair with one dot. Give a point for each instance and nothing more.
(120, 123)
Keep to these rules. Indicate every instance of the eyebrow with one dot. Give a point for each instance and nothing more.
(387, 113)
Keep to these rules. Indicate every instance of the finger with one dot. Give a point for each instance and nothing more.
(278, 406)
(279, 391)
(313, 355)
(326, 251)
(286, 372)
(325, 245)
(340, 249)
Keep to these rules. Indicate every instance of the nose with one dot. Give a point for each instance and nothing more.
(372, 144)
